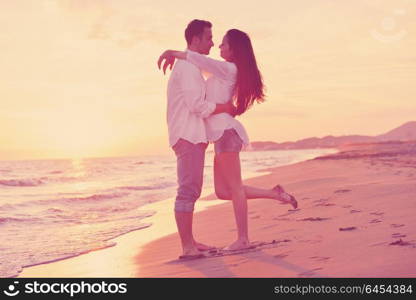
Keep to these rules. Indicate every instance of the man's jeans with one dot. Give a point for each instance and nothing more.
(190, 171)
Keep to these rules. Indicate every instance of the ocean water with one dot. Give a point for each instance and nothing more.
(55, 209)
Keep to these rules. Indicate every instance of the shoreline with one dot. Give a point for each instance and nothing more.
(89, 264)
(152, 254)
(163, 209)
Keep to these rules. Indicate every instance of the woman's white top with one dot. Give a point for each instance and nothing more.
(219, 89)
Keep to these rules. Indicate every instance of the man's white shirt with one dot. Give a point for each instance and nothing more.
(187, 106)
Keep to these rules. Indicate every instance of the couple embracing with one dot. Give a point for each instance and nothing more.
(199, 112)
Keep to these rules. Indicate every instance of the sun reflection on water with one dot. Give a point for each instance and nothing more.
(78, 167)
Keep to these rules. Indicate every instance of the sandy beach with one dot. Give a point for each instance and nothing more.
(355, 219)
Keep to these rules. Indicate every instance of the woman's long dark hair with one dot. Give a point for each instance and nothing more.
(249, 86)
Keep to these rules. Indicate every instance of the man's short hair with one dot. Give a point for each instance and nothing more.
(195, 28)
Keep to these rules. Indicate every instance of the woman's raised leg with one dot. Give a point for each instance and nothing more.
(222, 190)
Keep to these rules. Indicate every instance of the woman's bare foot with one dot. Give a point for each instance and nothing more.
(238, 245)
(281, 195)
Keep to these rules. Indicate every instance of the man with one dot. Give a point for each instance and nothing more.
(185, 113)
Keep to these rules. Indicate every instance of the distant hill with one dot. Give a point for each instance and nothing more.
(406, 132)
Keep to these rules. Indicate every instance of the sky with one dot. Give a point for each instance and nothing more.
(78, 78)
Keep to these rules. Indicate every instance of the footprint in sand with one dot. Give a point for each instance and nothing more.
(321, 200)
(281, 219)
(375, 221)
(377, 213)
(270, 226)
(325, 204)
(309, 272)
(347, 228)
(400, 242)
(315, 219)
(378, 244)
(270, 244)
(398, 235)
(342, 191)
(290, 211)
(310, 241)
(320, 258)
(280, 256)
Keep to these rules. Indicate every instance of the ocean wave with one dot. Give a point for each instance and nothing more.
(23, 182)
(54, 210)
(7, 206)
(31, 182)
(18, 220)
(58, 247)
(144, 163)
(64, 179)
(56, 172)
(92, 198)
(137, 188)
(63, 201)
(159, 186)
(109, 216)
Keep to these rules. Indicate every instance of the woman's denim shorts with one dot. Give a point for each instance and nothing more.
(229, 142)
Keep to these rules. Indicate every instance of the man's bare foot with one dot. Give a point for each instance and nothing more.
(281, 195)
(203, 247)
(191, 252)
(238, 245)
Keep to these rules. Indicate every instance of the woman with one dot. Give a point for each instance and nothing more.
(238, 78)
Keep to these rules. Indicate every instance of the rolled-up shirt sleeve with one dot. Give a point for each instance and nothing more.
(194, 94)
